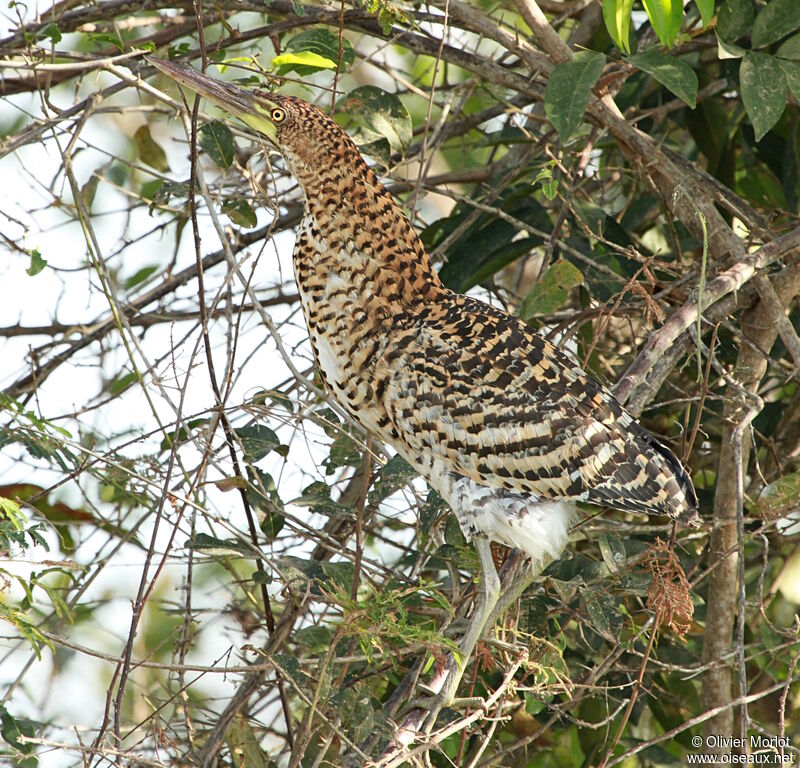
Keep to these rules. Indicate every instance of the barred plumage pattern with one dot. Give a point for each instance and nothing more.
(509, 430)
(464, 391)
(505, 426)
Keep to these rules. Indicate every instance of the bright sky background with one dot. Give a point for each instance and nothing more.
(62, 292)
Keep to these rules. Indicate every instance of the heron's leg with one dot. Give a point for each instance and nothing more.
(488, 595)
(448, 680)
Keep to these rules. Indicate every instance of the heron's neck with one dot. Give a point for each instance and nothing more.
(359, 221)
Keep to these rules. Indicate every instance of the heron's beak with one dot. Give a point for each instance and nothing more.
(250, 109)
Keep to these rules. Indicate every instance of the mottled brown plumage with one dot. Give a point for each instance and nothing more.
(461, 389)
(505, 426)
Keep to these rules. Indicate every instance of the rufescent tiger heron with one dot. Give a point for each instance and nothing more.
(506, 427)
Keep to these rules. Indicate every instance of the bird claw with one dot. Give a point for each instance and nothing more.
(476, 702)
(435, 703)
(427, 694)
(443, 697)
(432, 706)
(438, 698)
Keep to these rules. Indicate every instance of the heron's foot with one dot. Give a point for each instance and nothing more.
(444, 684)
(432, 706)
(441, 693)
(473, 703)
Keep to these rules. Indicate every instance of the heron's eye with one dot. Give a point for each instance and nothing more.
(277, 115)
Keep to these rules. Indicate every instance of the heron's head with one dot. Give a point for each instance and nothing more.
(304, 134)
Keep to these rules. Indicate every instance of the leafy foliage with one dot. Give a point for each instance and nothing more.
(188, 524)
(313, 50)
(216, 139)
(382, 122)
(672, 73)
(569, 88)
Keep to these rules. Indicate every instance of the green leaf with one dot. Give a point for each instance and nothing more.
(763, 91)
(387, 16)
(316, 638)
(177, 51)
(324, 43)
(779, 498)
(665, 17)
(290, 667)
(727, 50)
(161, 192)
(431, 509)
(706, 8)
(261, 577)
(106, 37)
(734, 19)
(217, 140)
(704, 479)
(149, 189)
(140, 276)
(312, 51)
(262, 493)
(453, 535)
(381, 117)
(791, 69)
(490, 243)
(117, 174)
(148, 150)
(617, 17)
(52, 31)
(11, 511)
(258, 440)
(550, 293)
(243, 743)
(12, 728)
(38, 263)
(673, 73)
(790, 49)
(758, 183)
(328, 420)
(281, 399)
(340, 574)
(89, 190)
(240, 212)
(550, 189)
(181, 435)
(548, 183)
(613, 551)
(776, 20)
(392, 476)
(344, 452)
(272, 525)
(306, 59)
(26, 626)
(202, 542)
(603, 615)
(569, 88)
(358, 712)
(317, 497)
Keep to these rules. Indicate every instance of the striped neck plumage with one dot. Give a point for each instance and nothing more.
(347, 205)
